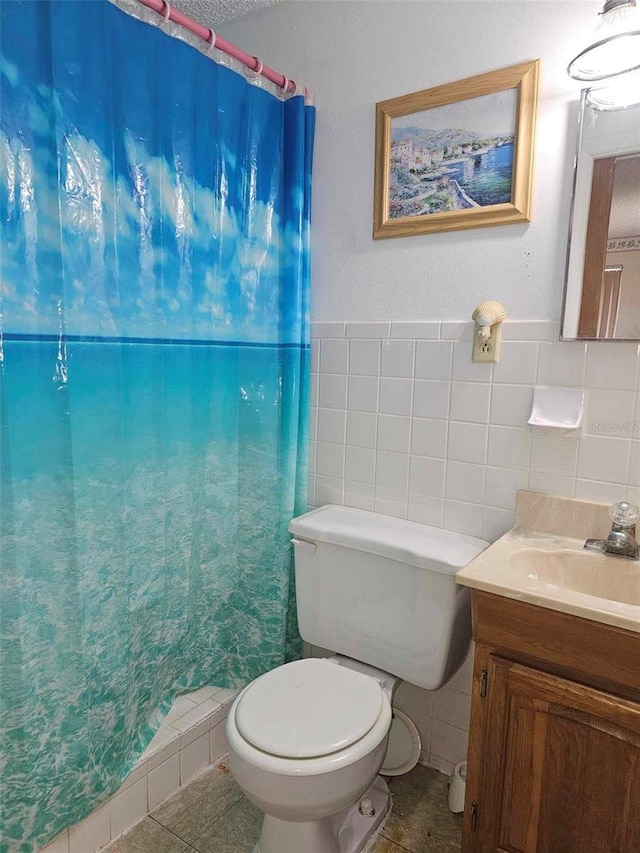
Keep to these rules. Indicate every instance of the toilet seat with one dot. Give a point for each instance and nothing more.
(308, 709)
(313, 766)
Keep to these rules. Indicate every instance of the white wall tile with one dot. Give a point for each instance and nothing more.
(612, 365)
(502, 485)
(530, 330)
(428, 437)
(315, 356)
(633, 477)
(329, 490)
(138, 772)
(394, 433)
(426, 510)
(456, 330)
(554, 454)
(363, 393)
(462, 681)
(470, 402)
(315, 385)
(391, 501)
(604, 459)
(416, 331)
(362, 428)
(509, 447)
(518, 363)
(92, 833)
(218, 746)
(333, 391)
(181, 706)
(414, 701)
(496, 522)
(330, 459)
(467, 442)
(313, 423)
(128, 807)
(466, 370)
(431, 399)
(448, 742)
(327, 330)
(452, 707)
(433, 359)
(358, 495)
(364, 357)
(426, 476)
(360, 464)
(608, 493)
(368, 330)
(196, 731)
(395, 396)
(463, 517)
(610, 413)
(331, 425)
(164, 780)
(511, 405)
(58, 845)
(562, 363)
(334, 355)
(170, 745)
(397, 358)
(551, 484)
(313, 447)
(194, 758)
(392, 470)
(465, 482)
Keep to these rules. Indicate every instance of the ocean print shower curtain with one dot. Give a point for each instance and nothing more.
(154, 209)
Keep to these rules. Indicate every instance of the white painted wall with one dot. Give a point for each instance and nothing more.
(353, 53)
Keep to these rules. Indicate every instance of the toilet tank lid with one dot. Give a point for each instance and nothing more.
(395, 538)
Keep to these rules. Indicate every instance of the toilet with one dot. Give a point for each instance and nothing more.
(307, 739)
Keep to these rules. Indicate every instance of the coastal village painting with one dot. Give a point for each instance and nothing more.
(454, 157)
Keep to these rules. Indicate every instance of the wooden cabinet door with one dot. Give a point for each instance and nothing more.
(561, 767)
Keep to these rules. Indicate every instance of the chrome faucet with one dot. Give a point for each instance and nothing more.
(621, 541)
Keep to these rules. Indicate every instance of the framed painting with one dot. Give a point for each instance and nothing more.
(456, 156)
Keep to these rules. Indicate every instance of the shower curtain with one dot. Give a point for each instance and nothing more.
(154, 207)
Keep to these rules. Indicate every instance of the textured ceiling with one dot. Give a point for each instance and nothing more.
(211, 13)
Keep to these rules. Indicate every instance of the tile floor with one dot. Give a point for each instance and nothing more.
(211, 815)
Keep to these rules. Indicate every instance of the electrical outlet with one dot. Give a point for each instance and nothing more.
(487, 350)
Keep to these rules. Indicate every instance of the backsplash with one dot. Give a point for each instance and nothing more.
(404, 423)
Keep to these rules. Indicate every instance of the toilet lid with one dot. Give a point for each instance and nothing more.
(308, 708)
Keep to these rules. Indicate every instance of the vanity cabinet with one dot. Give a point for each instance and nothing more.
(554, 749)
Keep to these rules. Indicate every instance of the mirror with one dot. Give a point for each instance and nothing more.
(602, 291)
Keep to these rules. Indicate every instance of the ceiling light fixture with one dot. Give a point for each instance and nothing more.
(615, 47)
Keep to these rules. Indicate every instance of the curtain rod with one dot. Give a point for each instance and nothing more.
(169, 13)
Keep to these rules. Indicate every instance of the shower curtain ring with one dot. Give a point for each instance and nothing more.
(212, 39)
(167, 11)
(259, 66)
(285, 85)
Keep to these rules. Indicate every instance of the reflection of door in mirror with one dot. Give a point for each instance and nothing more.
(611, 284)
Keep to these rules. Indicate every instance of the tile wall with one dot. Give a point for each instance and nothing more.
(191, 738)
(404, 423)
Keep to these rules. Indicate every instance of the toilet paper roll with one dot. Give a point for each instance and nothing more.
(457, 787)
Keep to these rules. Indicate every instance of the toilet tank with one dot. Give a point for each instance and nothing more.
(382, 590)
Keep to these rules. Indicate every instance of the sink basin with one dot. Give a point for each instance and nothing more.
(541, 561)
(598, 575)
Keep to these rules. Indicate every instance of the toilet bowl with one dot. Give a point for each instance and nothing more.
(307, 740)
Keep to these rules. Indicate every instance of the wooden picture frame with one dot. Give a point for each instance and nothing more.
(426, 177)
